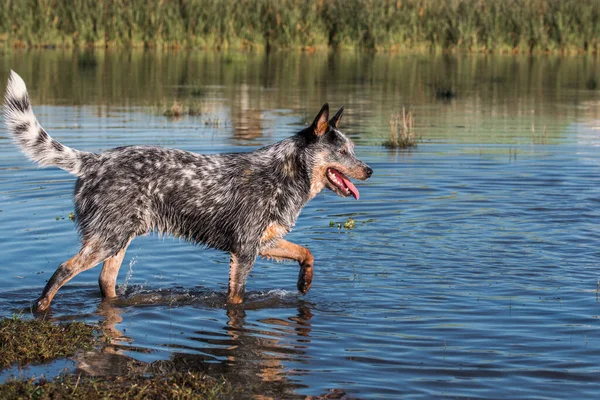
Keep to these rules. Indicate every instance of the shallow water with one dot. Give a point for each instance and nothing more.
(472, 271)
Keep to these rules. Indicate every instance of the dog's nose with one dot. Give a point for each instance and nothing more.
(369, 171)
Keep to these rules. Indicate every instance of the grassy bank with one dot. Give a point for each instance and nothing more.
(176, 385)
(398, 25)
(34, 341)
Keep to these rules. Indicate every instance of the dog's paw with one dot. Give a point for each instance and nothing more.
(235, 298)
(41, 305)
(305, 278)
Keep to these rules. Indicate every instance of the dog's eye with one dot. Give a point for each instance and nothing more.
(343, 152)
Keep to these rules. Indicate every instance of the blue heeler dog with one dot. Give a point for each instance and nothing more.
(242, 203)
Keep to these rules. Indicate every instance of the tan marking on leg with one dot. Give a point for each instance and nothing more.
(273, 231)
(110, 271)
(89, 255)
(239, 269)
(284, 250)
(235, 294)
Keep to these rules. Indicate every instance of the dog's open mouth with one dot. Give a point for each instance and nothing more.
(343, 184)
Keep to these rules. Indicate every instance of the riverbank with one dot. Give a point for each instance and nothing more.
(25, 342)
(519, 26)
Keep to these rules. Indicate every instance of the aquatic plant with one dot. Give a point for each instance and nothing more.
(25, 341)
(178, 109)
(175, 385)
(349, 224)
(33, 341)
(402, 131)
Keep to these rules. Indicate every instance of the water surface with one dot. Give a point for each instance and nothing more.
(472, 271)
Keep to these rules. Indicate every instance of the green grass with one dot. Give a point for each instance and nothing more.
(389, 25)
(36, 341)
(176, 385)
(33, 341)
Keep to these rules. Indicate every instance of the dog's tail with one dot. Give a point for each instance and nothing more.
(30, 136)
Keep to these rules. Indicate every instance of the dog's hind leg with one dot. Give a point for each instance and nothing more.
(285, 250)
(90, 255)
(110, 271)
(239, 269)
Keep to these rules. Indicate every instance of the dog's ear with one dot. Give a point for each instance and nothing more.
(335, 121)
(320, 124)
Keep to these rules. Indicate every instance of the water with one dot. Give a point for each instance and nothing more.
(472, 271)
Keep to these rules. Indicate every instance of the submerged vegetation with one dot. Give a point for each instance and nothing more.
(27, 341)
(402, 131)
(393, 25)
(349, 224)
(35, 341)
(176, 385)
(179, 110)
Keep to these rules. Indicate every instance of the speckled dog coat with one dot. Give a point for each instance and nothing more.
(242, 203)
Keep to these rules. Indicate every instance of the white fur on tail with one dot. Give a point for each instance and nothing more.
(29, 135)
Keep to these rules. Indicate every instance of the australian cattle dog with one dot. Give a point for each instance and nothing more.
(241, 203)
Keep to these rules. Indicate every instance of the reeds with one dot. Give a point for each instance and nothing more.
(468, 25)
(177, 110)
(402, 131)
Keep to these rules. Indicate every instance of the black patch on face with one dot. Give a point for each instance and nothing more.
(21, 128)
(334, 138)
(21, 104)
(56, 145)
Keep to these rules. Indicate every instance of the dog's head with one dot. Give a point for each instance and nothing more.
(333, 158)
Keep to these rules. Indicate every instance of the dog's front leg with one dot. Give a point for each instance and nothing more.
(239, 269)
(291, 251)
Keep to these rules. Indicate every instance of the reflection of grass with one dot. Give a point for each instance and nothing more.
(539, 138)
(25, 341)
(444, 92)
(197, 92)
(87, 60)
(402, 131)
(213, 122)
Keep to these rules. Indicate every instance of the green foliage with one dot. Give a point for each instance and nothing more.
(25, 341)
(176, 385)
(394, 25)
(31, 341)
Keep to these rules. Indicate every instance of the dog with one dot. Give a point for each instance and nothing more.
(240, 203)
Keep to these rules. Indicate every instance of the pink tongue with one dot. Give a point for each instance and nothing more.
(350, 186)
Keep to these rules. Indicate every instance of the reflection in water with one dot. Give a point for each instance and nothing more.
(472, 270)
(259, 354)
(246, 117)
(254, 357)
(109, 360)
(247, 85)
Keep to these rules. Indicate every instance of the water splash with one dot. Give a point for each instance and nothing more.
(123, 288)
(271, 294)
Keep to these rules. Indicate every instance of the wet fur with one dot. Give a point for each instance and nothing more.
(241, 203)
